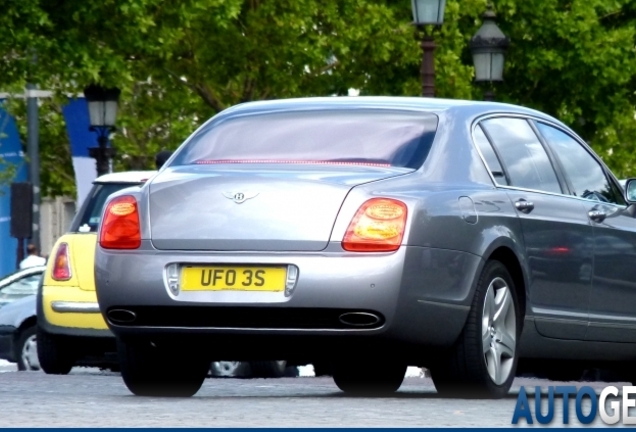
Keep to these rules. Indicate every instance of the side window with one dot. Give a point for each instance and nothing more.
(492, 162)
(23, 287)
(585, 173)
(525, 159)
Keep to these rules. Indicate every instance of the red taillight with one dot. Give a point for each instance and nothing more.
(120, 227)
(378, 226)
(61, 264)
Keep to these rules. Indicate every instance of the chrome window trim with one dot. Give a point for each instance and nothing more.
(562, 195)
(556, 126)
(495, 151)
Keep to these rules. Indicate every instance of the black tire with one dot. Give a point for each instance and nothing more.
(160, 370)
(268, 369)
(23, 337)
(463, 371)
(368, 377)
(56, 355)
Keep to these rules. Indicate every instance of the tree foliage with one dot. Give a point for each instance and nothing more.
(56, 175)
(179, 62)
(576, 60)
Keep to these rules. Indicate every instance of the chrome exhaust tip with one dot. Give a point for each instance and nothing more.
(359, 319)
(121, 316)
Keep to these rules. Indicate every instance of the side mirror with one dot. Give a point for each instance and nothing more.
(630, 190)
(162, 157)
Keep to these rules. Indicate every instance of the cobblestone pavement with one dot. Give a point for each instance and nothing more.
(89, 398)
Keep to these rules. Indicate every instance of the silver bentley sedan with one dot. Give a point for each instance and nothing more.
(373, 233)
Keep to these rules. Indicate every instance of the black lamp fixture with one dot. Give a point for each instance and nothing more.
(102, 110)
(428, 12)
(488, 47)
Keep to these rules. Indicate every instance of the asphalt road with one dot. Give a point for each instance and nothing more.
(91, 398)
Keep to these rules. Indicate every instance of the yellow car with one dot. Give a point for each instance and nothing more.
(71, 330)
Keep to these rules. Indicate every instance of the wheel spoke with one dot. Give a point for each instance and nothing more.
(496, 356)
(493, 364)
(489, 308)
(503, 304)
(507, 343)
(486, 340)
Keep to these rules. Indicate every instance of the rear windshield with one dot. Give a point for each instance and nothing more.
(90, 218)
(360, 137)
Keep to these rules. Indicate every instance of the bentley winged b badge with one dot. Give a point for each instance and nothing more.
(239, 197)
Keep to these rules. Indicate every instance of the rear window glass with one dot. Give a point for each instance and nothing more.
(383, 138)
(90, 218)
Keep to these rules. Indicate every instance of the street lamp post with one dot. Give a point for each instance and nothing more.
(488, 47)
(102, 110)
(428, 12)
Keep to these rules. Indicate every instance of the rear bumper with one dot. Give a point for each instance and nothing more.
(70, 311)
(422, 296)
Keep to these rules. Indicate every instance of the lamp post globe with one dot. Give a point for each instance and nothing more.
(488, 47)
(428, 12)
(102, 110)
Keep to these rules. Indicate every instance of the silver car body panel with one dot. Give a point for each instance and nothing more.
(192, 207)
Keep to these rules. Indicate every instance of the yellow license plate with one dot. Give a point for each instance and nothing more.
(233, 278)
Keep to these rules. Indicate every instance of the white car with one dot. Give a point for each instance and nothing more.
(17, 317)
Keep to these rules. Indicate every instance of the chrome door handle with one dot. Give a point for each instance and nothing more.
(597, 215)
(524, 206)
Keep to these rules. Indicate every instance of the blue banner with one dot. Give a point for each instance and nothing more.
(11, 152)
(77, 124)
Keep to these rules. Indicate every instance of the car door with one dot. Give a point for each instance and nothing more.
(557, 233)
(613, 298)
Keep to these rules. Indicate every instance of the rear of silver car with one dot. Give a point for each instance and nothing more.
(300, 284)
(266, 238)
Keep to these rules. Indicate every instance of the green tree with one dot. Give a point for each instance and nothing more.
(153, 118)
(179, 62)
(576, 60)
(56, 174)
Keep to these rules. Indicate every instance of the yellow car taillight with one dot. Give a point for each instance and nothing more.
(61, 264)
(378, 226)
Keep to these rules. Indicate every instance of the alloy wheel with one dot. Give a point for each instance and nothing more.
(30, 354)
(499, 331)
